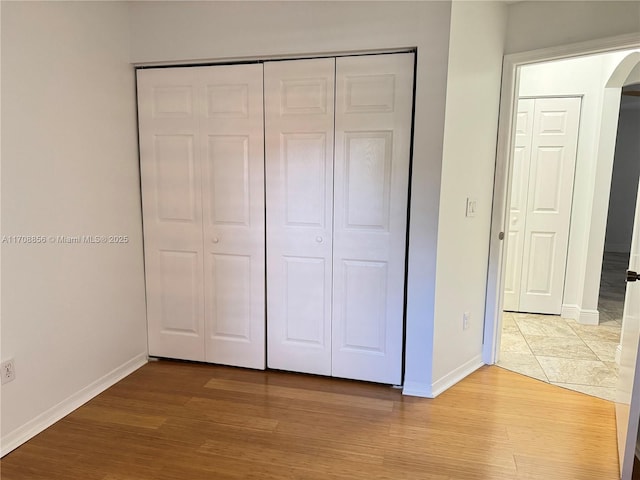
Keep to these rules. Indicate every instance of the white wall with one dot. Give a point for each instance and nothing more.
(471, 122)
(586, 77)
(191, 31)
(614, 62)
(541, 24)
(624, 183)
(73, 316)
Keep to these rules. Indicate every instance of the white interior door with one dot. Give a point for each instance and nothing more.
(628, 389)
(168, 112)
(518, 207)
(232, 153)
(550, 192)
(372, 154)
(299, 116)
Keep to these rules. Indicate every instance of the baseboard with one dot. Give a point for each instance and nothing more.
(589, 317)
(14, 439)
(417, 389)
(585, 317)
(458, 374)
(570, 311)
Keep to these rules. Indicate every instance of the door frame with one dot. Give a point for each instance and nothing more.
(262, 59)
(502, 185)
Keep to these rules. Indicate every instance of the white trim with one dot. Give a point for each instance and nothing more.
(20, 435)
(589, 317)
(268, 58)
(618, 353)
(416, 389)
(451, 378)
(600, 45)
(571, 311)
(501, 193)
(497, 267)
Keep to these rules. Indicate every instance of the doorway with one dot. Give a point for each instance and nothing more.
(576, 346)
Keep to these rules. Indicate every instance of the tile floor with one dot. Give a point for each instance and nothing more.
(565, 353)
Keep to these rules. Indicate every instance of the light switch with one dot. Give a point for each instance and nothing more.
(471, 207)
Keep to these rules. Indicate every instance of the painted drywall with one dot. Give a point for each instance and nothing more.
(624, 182)
(535, 24)
(471, 122)
(73, 315)
(585, 77)
(196, 31)
(614, 62)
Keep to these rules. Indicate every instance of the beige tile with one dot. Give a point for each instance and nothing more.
(606, 393)
(522, 316)
(613, 366)
(565, 347)
(577, 371)
(603, 333)
(606, 351)
(509, 324)
(513, 342)
(548, 326)
(523, 363)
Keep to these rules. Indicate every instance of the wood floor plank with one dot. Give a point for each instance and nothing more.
(179, 420)
(292, 393)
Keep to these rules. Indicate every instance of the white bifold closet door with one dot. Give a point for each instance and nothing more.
(337, 213)
(541, 199)
(299, 117)
(518, 207)
(202, 168)
(374, 97)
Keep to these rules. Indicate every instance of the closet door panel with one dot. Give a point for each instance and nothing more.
(170, 167)
(518, 207)
(549, 200)
(373, 133)
(299, 103)
(232, 152)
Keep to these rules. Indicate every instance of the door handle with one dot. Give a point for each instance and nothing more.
(632, 276)
(215, 240)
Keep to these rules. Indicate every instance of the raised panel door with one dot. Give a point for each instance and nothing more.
(372, 156)
(232, 143)
(549, 199)
(170, 165)
(518, 207)
(299, 111)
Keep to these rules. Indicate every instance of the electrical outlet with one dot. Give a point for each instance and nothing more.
(466, 316)
(8, 371)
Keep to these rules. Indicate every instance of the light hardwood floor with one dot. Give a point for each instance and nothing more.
(186, 421)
